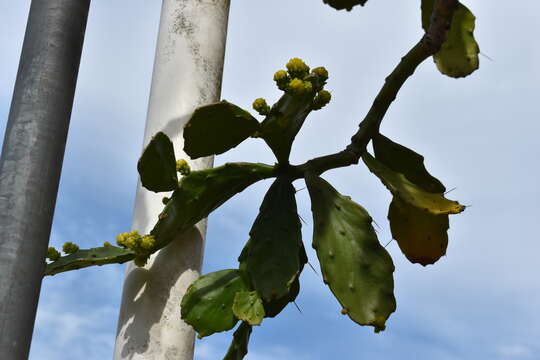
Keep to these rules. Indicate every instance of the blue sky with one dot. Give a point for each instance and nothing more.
(478, 135)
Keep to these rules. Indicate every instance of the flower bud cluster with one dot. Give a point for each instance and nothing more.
(142, 245)
(134, 241)
(298, 81)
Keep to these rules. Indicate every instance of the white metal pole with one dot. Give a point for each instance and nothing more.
(188, 70)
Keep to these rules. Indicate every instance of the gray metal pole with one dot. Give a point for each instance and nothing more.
(31, 160)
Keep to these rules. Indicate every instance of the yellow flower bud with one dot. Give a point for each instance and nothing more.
(121, 239)
(282, 79)
(183, 167)
(52, 254)
(297, 68)
(321, 100)
(300, 87)
(280, 75)
(70, 248)
(296, 87)
(128, 239)
(321, 72)
(148, 242)
(308, 87)
(261, 106)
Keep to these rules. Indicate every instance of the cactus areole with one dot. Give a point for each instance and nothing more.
(354, 265)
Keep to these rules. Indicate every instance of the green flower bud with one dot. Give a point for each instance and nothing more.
(106, 244)
(183, 167)
(300, 87)
(261, 106)
(321, 100)
(282, 79)
(70, 248)
(280, 75)
(296, 87)
(308, 87)
(297, 68)
(52, 254)
(321, 72)
(140, 261)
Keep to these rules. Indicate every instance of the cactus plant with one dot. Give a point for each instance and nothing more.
(354, 265)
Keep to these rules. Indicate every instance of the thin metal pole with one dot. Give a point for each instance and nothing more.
(187, 73)
(31, 160)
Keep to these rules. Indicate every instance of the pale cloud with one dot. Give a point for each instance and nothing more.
(275, 353)
(515, 351)
(207, 351)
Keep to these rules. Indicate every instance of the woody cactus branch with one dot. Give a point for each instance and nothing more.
(429, 44)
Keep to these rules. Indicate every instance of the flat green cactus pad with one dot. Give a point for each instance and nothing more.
(207, 304)
(344, 4)
(407, 162)
(271, 257)
(90, 257)
(354, 265)
(458, 56)
(285, 120)
(201, 192)
(157, 165)
(273, 307)
(409, 192)
(214, 129)
(239, 346)
(248, 306)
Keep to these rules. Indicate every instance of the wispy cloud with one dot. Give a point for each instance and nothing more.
(515, 351)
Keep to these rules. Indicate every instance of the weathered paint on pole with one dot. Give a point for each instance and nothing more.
(31, 160)
(187, 73)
